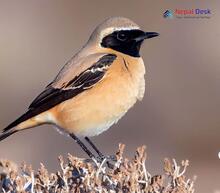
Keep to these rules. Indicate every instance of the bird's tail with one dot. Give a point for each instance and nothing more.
(26, 121)
(7, 134)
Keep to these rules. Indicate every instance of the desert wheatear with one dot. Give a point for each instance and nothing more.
(95, 88)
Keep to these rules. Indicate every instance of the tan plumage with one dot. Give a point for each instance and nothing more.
(98, 108)
(96, 87)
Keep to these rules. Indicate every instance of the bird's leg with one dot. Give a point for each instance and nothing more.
(81, 144)
(101, 155)
(95, 148)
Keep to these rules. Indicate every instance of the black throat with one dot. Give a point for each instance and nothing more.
(124, 41)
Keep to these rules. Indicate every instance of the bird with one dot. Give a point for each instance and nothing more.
(95, 88)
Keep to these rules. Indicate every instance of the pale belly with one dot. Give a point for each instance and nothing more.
(95, 110)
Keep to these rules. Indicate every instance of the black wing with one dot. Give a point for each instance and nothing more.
(53, 96)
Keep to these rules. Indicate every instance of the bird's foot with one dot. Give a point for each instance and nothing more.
(107, 159)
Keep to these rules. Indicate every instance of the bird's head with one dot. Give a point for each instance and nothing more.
(120, 34)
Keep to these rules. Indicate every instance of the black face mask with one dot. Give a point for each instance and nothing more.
(127, 41)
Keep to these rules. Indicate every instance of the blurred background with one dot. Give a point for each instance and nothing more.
(180, 114)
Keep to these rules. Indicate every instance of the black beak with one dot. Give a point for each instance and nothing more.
(149, 35)
(146, 35)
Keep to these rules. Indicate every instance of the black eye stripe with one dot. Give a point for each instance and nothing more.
(123, 41)
(129, 33)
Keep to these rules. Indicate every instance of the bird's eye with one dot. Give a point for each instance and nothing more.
(121, 36)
